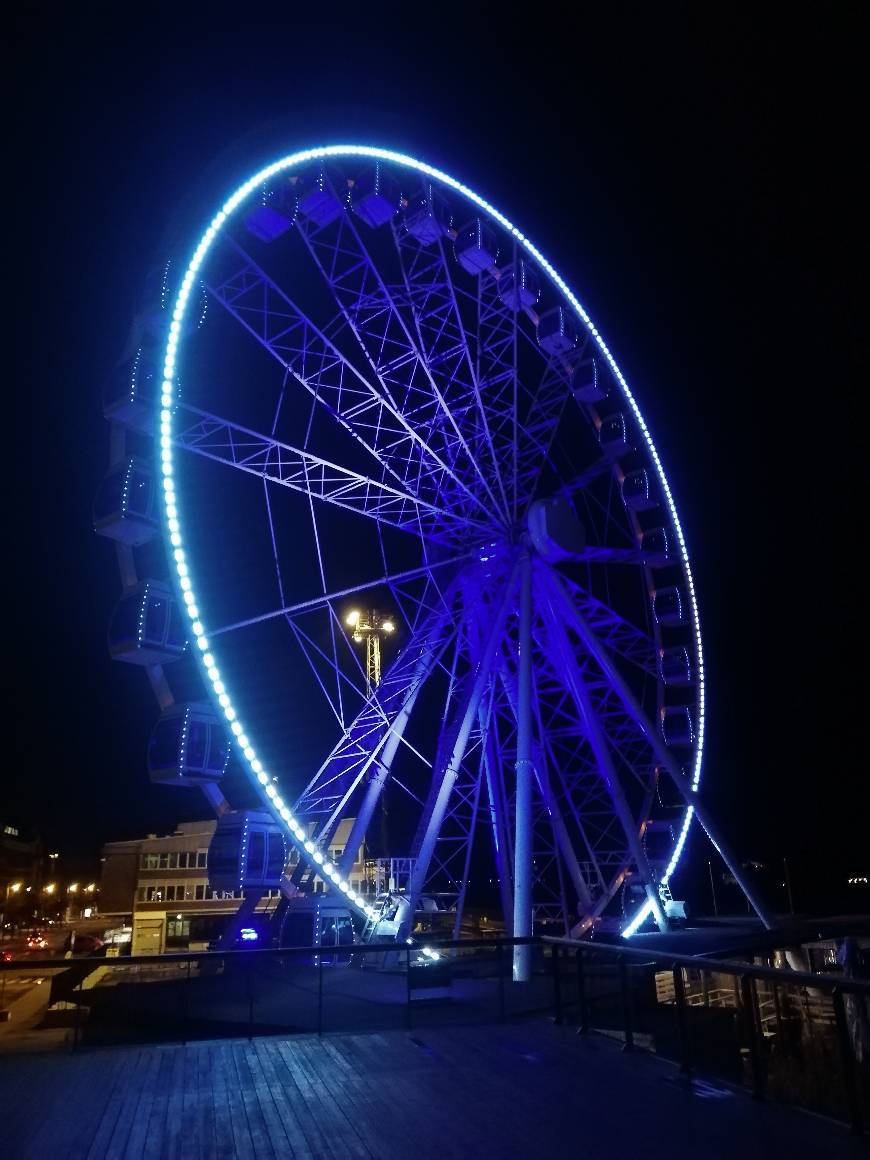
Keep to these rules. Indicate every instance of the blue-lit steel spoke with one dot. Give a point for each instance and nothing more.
(318, 602)
(236, 446)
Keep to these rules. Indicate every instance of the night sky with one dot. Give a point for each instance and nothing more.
(696, 184)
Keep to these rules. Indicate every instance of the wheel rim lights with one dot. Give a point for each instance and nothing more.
(170, 499)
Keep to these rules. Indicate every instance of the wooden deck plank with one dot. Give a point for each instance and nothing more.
(305, 1134)
(227, 1089)
(286, 1101)
(336, 1088)
(173, 1135)
(134, 1145)
(192, 1103)
(257, 1126)
(205, 1112)
(331, 1135)
(153, 1142)
(113, 1125)
(342, 1124)
(379, 1120)
(284, 1136)
(220, 1110)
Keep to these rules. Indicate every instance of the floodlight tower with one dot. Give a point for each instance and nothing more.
(370, 627)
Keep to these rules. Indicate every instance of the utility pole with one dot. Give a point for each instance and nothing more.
(522, 966)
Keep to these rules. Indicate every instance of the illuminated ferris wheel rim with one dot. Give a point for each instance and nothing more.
(258, 774)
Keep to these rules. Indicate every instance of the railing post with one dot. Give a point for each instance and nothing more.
(847, 1057)
(408, 986)
(320, 991)
(750, 1012)
(187, 1004)
(250, 990)
(501, 1000)
(625, 991)
(682, 1021)
(581, 992)
(78, 1017)
(557, 984)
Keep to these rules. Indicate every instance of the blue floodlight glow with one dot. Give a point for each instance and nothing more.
(257, 774)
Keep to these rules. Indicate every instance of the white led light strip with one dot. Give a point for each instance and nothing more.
(261, 777)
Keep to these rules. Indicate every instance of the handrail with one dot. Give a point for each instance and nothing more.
(665, 958)
(724, 966)
(29, 964)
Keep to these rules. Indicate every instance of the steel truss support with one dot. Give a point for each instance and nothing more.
(372, 418)
(549, 803)
(498, 810)
(447, 350)
(571, 616)
(382, 759)
(573, 677)
(389, 347)
(445, 779)
(329, 790)
(268, 458)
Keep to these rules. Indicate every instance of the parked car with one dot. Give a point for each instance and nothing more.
(87, 944)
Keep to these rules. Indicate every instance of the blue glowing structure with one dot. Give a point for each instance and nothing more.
(554, 639)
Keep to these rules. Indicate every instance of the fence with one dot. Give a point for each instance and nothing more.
(796, 1037)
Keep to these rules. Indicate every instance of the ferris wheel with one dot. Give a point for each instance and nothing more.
(394, 403)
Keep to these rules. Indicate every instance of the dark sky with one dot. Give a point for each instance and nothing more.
(697, 184)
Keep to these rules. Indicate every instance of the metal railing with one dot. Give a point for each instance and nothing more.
(792, 1036)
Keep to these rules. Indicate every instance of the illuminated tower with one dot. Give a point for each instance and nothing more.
(370, 627)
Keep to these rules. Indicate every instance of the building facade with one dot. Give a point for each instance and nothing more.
(160, 885)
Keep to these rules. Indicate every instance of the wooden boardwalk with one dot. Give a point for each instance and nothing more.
(512, 1090)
